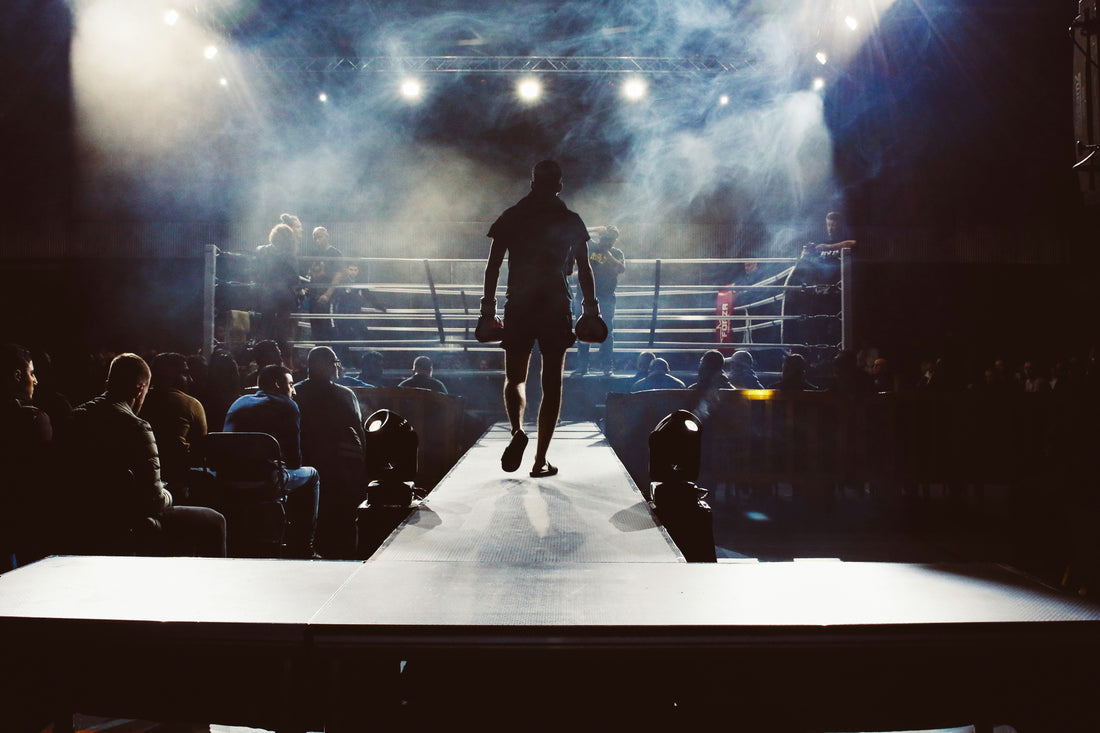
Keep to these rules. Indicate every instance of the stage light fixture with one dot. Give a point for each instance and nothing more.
(411, 89)
(724, 100)
(851, 22)
(322, 97)
(675, 448)
(818, 84)
(171, 17)
(223, 82)
(210, 52)
(634, 89)
(529, 90)
(390, 446)
(821, 57)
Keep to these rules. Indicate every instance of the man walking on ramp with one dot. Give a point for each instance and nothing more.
(543, 240)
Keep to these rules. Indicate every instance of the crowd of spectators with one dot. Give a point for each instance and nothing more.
(130, 428)
(176, 399)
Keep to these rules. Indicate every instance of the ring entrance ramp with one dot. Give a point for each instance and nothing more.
(590, 512)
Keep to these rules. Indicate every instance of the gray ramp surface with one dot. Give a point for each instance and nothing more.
(590, 512)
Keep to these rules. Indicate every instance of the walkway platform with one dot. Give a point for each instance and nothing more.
(507, 601)
(590, 512)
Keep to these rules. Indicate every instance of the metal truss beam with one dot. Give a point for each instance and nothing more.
(503, 64)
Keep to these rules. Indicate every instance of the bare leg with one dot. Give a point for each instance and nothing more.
(515, 386)
(553, 365)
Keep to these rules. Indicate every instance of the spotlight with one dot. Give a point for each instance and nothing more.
(724, 100)
(529, 90)
(210, 52)
(819, 84)
(410, 89)
(821, 58)
(851, 22)
(223, 82)
(390, 459)
(675, 446)
(171, 17)
(322, 97)
(390, 447)
(634, 89)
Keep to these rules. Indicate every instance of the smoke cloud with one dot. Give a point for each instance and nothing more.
(425, 179)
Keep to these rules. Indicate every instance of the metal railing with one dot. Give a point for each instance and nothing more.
(432, 305)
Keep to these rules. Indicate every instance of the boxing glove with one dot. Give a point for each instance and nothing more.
(489, 328)
(590, 327)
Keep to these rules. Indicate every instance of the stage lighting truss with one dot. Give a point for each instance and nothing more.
(503, 64)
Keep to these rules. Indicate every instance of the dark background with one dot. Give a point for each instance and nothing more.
(955, 117)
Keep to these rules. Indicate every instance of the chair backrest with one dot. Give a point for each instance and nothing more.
(245, 462)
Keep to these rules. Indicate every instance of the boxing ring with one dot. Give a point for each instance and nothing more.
(674, 307)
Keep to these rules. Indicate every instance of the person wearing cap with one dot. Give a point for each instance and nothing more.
(543, 240)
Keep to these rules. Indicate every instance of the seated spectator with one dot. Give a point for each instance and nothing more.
(743, 371)
(422, 376)
(46, 395)
(372, 367)
(223, 387)
(793, 377)
(25, 435)
(712, 373)
(641, 366)
(272, 410)
(882, 376)
(1033, 378)
(848, 377)
(178, 421)
(346, 379)
(658, 378)
(332, 442)
(264, 353)
(120, 493)
(200, 373)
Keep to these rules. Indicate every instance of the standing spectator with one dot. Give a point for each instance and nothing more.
(323, 271)
(608, 262)
(349, 301)
(422, 376)
(278, 281)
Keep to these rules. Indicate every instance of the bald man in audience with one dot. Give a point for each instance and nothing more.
(119, 489)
